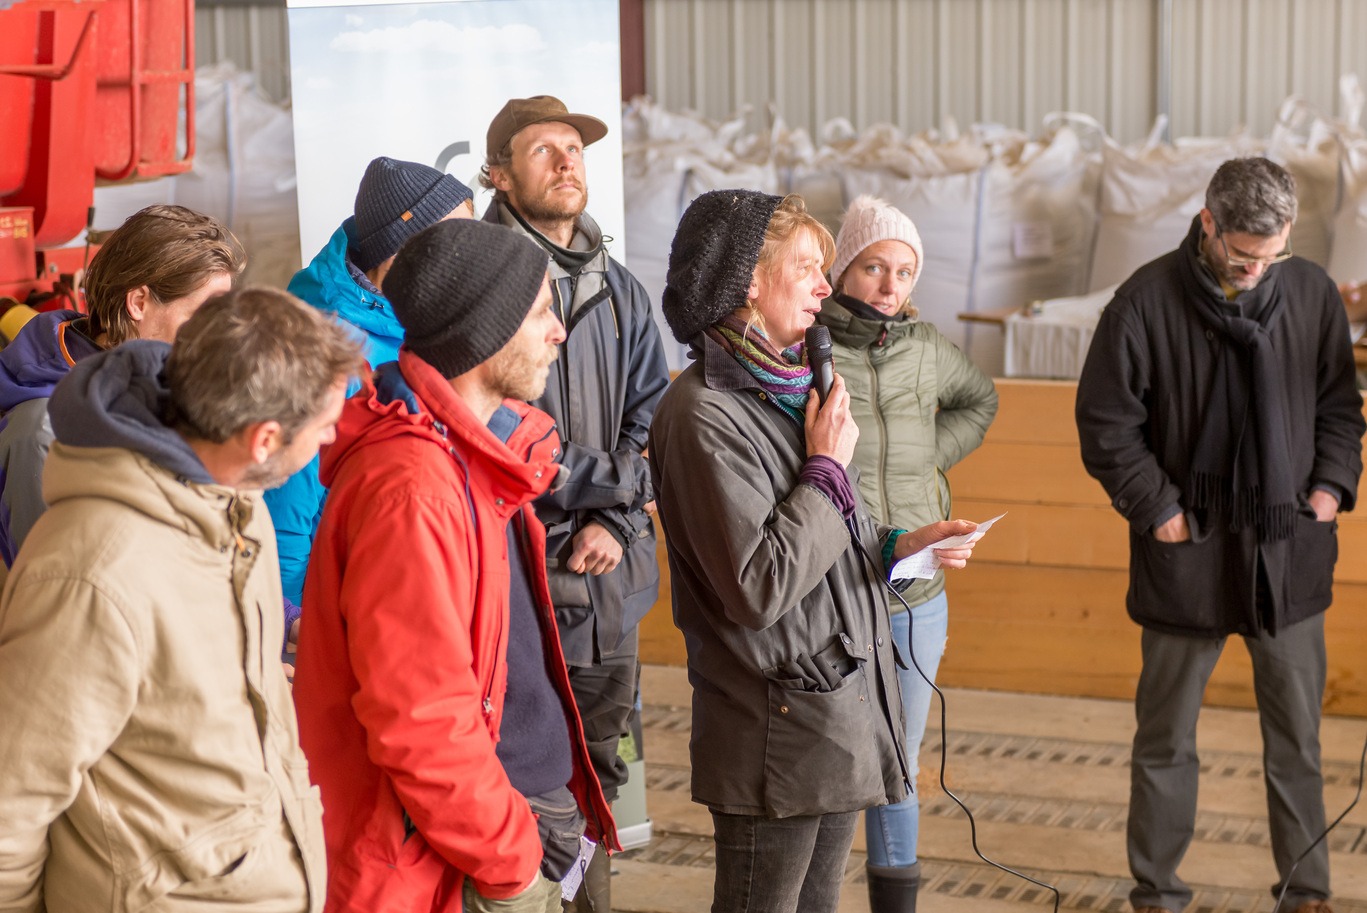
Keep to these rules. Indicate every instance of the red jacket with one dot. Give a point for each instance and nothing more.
(402, 664)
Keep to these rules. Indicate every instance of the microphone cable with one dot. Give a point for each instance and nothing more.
(944, 740)
(1286, 884)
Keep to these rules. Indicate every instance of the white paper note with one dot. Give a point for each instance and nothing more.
(923, 564)
(569, 885)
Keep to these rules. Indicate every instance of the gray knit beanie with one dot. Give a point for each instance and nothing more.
(713, 258)
(395, 201)
(461, 290)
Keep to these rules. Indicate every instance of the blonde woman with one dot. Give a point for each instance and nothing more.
(777, 570)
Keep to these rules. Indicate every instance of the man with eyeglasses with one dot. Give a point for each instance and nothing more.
(1218, 409)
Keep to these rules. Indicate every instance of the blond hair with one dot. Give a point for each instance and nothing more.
(786, 225)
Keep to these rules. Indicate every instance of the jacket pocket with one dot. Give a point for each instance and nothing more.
(820, 754)
(559, 824)
(306, 822)
(1176, 585)
(216, 860)
(267, 876)
(1314, 552)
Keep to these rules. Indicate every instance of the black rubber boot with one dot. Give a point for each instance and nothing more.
(892, 889)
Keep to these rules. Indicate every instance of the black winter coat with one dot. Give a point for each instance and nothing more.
(1140, 406)
(602, 392)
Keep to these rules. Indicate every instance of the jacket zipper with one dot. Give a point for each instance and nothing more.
(487, 704)
(882, 438)
(564, 359)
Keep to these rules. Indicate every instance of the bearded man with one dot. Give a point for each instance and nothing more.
(602, 393)
(1218, 409)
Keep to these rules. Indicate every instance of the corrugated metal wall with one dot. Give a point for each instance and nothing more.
(255, 37)
(917, 62)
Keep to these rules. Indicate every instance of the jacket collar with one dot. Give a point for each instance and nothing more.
(590, 254)
(329, 284)
(720, 370)
(857, 332)
(213, 513)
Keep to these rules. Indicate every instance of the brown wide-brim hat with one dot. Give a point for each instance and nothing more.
(520, 113)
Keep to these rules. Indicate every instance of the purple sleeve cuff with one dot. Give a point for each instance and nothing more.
(830, 478)
(292, 614)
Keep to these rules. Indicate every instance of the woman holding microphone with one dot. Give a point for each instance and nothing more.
(778, 573)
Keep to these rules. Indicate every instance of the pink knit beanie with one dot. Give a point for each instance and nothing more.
(868, 221)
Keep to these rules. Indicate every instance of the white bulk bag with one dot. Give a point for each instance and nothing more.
(1304, 142)
(1149, 195)
(1035, 234)
(244, 171)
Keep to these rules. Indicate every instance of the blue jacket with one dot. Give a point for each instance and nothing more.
(30, 367)
(332, 283)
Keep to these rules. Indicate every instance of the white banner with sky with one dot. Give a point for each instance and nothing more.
(421, 82)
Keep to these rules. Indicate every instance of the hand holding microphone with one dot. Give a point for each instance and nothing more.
(818, 347)
(830, 427)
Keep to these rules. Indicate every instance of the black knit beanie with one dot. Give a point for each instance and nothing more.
(461, 289)
(395, 201)
(713, 258)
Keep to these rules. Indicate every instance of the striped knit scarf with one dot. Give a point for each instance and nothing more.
(785, 375)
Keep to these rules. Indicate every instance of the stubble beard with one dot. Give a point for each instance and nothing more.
(519, 375)
(1225, 273)
(267, 475)
(545, 207)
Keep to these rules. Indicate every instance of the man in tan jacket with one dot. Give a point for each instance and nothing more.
(149, 757)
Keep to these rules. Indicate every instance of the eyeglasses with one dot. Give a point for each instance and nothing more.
(1234, 261)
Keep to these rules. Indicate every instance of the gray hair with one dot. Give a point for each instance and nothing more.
(1252, 196)
(253, 355)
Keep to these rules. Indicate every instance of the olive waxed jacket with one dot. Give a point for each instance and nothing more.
(763, 570)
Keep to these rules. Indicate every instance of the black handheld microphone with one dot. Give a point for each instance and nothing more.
(819, 357)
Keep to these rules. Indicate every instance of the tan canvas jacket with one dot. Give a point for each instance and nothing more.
(149, 755)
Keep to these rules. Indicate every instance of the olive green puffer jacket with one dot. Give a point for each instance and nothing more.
(921, 407)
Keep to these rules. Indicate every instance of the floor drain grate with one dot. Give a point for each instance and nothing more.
(1095, 894)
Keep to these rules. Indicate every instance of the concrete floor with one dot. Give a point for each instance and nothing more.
(1047, 780)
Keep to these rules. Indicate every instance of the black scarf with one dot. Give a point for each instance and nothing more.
(861, 308)
(1241, 466)
(571, 261)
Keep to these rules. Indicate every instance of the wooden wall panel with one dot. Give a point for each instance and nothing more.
(1041, 608)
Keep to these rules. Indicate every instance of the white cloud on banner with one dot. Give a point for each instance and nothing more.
(595, 49)
(442, 37)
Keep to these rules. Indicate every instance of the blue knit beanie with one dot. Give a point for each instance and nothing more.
(395, 201)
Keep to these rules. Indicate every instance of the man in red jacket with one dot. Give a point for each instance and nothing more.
(432, 693)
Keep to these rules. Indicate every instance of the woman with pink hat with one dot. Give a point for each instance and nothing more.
(921, 406)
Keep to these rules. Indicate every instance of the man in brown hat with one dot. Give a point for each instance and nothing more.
(602, 393)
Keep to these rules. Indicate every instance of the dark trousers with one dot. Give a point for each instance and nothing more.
(1288, 681)
(781, 865)
(605, 694)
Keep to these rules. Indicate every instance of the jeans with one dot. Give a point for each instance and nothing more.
(781, 865)
(890, 831)
(1288, 682)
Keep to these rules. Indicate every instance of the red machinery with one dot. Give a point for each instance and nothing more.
(89, 89)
